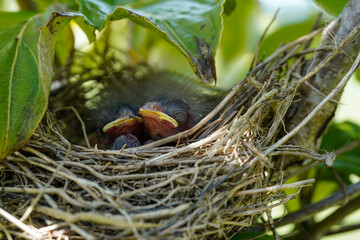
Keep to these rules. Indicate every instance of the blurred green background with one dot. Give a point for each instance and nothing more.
(242, 30)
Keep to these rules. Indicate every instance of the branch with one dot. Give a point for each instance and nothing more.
(326, 79)
(33, 232)
(317, 109)
(348, 147)
(319, 229)
(343, 229)
(311, 210)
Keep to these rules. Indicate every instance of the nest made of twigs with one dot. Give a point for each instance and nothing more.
(212, 186)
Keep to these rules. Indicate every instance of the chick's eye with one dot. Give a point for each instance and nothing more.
(179, 114)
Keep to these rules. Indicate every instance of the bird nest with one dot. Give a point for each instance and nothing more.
(222, 179)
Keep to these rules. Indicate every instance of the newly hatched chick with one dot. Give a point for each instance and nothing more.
(168, 103)
(175, 103)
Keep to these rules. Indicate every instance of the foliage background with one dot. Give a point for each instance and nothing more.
(242, 29)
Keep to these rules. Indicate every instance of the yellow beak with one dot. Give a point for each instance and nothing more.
(157, 114)
(121, 121)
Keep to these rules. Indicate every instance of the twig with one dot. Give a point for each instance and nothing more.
(336, 90)
(80, 120)
(276, 188)
(341, 184)
(100, 218)
(319, 92)
(7, 233)
(343, 229)
(66, 175)
(36, 200)
(33, 232)
(260, 209)
(325, 61)
(262, 38)
(348, 147)
(272, 225)
(237, 124)
(283, 49)
(309, 211)
(319, 229)
(191, 147)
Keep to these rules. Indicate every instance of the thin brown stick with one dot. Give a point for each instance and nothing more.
(33, 232)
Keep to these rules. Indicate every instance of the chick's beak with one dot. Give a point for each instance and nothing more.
(153, 111)
(120, 122)
(124, 125)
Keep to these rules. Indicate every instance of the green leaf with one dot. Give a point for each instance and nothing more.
(42, 5)
(229, 7)
(333, 7)
(27, 55)
(340, 134)
(65, 46)
(337, 136)
(9, 19)
(48, 37)
(23, 97)
(357, 74)
(347, 163)
(193, 27)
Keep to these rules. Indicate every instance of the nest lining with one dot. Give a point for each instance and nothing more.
(219, 182)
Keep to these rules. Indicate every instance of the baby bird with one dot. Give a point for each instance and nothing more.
(162, 102)
(125, 131)
(175, 104)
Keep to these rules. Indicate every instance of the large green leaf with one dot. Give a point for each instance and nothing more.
(64, 47)
(340, 134)
(22, 95)
(194, 27)
(48, 37)
(27, 55)
(9, 19)
(229, 7)
(42, 5)
(333, 7)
